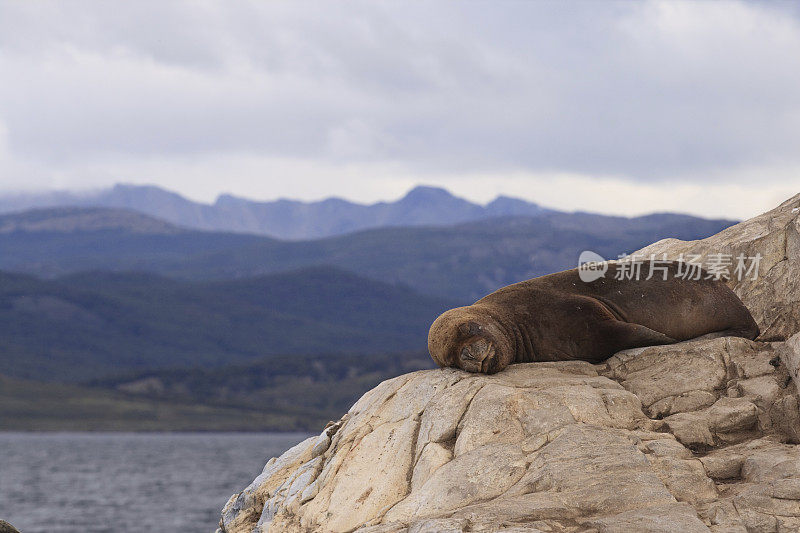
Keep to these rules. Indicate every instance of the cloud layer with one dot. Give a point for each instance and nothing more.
(365, 99)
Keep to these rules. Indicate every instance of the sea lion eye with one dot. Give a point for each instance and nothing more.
(469, 328)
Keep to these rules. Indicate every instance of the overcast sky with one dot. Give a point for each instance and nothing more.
(624, 108)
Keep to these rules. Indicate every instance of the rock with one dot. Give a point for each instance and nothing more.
(790, 355)
(5, 527)
(565, 446)
(684, 382)
(674, 517)
(246, 507)
(766, 495)
(691, 429)
(697, 436)
(732, 414)
(677, 378)
(774, 296)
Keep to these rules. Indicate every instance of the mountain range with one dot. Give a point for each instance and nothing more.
(111, 318)
(460, 262)
(95, 324)
(284, 219)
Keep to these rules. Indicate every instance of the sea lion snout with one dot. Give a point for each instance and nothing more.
(477, 355)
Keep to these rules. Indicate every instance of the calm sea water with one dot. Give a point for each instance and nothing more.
(127, 482)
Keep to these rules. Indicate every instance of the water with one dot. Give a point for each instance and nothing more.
(127, 482)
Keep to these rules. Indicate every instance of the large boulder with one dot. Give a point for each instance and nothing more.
(697, 436)
(670, 438)
(773, 297)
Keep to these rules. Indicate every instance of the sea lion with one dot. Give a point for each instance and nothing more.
(560, 317)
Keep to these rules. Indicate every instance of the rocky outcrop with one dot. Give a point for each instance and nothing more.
(698, 436)
(772, 296)
(5, 527)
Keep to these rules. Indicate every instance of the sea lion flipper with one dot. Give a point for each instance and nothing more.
(630, 335)
(745, 332)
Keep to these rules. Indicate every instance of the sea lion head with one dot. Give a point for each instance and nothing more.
(470, 339)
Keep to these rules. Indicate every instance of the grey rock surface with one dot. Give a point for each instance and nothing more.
(565, 446)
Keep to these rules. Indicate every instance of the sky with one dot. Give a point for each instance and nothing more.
(623, 108)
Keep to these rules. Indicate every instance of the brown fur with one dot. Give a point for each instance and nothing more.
(559, 317)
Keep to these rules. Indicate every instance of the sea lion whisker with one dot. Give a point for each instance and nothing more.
(466, 354)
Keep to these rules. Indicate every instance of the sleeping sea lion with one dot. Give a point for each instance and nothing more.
(560, 317)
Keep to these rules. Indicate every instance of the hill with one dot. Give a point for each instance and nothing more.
(66, 220)
(281, 393)
(285, 219)
(461, 262)
(310, 387)
(57, 241)
(93, 324)
(34, 406)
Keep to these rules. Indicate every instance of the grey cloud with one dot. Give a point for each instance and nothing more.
(644, 91)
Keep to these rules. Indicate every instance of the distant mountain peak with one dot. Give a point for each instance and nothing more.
(508, 206)
(432, 205)
(501, 198)
(227, 199)
(137, 187)
(72, 219)
(424, 205)
(427, 191)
